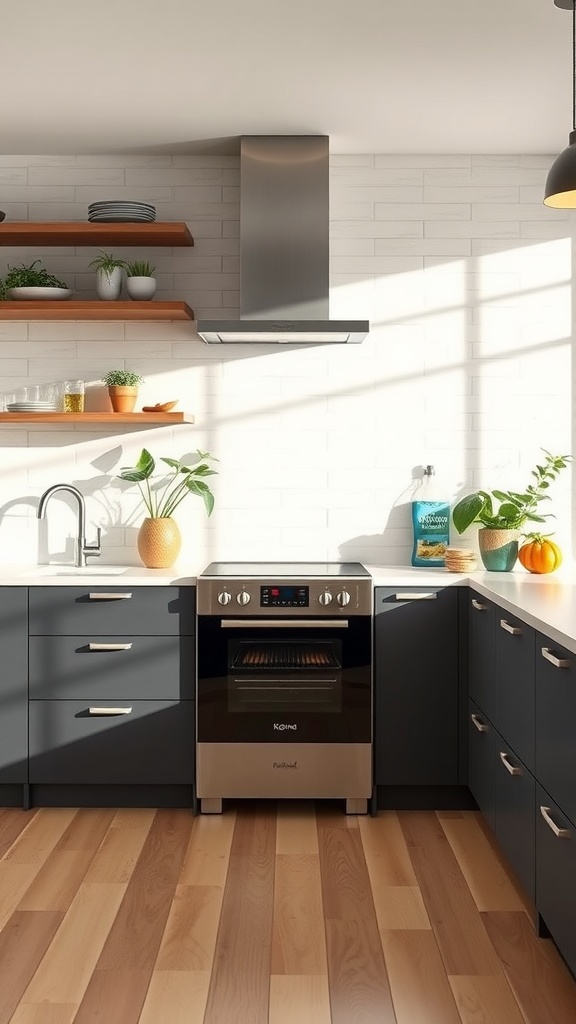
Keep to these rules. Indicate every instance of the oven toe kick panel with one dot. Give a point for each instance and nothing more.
(283, 771)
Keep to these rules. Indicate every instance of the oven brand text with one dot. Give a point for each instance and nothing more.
(284, 764)
(282, 726)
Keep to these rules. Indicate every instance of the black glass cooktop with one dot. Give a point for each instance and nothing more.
(290, 569)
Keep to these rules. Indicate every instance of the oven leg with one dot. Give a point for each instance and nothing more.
(210, 805)
(354, 806)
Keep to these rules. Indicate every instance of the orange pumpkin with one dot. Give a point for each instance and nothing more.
(540, 554)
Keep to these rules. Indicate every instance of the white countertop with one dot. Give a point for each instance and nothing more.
(546, 602)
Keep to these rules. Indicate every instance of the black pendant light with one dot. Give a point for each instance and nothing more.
(560, 191)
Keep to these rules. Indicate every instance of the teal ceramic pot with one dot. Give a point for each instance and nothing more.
(498, 548)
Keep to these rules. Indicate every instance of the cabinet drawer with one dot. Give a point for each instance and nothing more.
(555, 872)
(515, 685)
(154, 743)
(481, 753)
(515, 796)
(112, 609)
(482, 643)
(556, 717)
(77, 667)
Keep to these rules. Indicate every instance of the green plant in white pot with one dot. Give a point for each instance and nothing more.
(502, 514)
(140, 280)
(159, 539)
(32, 281)
(108, 275)
(122, 389)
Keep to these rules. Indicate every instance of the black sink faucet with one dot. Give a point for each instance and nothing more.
(82, 548)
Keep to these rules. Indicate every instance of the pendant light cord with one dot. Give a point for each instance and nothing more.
(573, 65)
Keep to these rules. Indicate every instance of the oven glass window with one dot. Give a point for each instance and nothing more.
(294, 675)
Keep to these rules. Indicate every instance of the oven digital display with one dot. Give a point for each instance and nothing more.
(284, 597)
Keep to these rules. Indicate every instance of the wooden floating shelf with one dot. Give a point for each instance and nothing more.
(83, 233)
(68, 309)
(110, 418)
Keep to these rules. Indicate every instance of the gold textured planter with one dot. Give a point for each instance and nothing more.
(159, 543)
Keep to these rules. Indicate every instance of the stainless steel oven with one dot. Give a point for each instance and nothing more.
(284, 682)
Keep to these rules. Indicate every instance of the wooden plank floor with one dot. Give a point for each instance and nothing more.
(288, 914)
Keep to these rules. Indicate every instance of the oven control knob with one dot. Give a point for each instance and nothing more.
(243, 597)
(224, 597)
(343, 598)
(325, 598)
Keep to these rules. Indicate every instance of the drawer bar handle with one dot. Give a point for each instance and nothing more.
(557, 662)
(479, 723)
(515, 630)
(109, 711)
(560, 833)
(109, 647)
(109, 597)
(509, 767)
(479, 605)
(408, 596)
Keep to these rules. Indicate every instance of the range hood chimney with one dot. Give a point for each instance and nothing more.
(284, 247)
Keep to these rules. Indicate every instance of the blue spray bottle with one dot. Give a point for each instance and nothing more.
(431, 524)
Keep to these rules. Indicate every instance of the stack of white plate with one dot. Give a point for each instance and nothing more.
(117, 210)
(32, 407)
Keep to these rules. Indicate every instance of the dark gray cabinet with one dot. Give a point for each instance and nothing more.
(481, 764)
(112, 684)
(556, 717)
(482, 653)
(99, 666)
(556, 870)
(514, 675)
(145, 610)
(136, 742)
(13, 685)
(501, 733)
(514, 797)
(416, 635)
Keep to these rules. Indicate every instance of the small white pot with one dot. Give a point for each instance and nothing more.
(141, 287)
(109, 285)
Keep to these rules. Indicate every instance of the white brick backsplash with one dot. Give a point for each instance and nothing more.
(422, 211)
(424, 160)
(97, 176)
(465, 276)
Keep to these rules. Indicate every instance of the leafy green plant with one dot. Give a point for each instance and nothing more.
(161, 501)
(140, 268)
(122, 378)
(106, 262)
(509, 510)
(29, 276)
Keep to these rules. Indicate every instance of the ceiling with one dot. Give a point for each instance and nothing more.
(410, 76)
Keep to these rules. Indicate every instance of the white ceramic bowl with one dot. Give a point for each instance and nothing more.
(40, 293)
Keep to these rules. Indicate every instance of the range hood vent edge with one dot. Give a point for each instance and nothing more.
(284, 248)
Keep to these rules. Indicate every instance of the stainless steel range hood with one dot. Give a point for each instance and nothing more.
(284, 247)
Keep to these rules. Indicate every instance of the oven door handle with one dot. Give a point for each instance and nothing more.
(284, 624)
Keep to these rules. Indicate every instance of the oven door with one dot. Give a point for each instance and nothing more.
(274, 680)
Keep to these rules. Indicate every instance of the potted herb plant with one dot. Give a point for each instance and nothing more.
(32, 282)
(140, 280)
(159, 538)
(122, 389)
(108, 275)
(502, 514)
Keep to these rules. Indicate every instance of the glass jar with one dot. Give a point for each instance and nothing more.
(73, 396)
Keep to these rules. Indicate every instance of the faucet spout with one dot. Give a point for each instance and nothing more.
(83, 550)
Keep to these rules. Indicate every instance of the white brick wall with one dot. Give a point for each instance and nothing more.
(466, 279)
